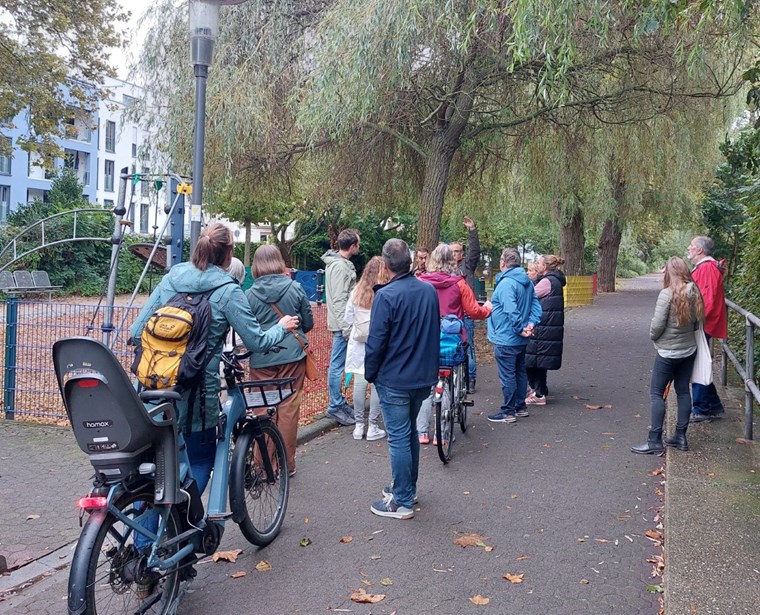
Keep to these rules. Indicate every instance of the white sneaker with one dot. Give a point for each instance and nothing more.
(359, 431)
(374, 432)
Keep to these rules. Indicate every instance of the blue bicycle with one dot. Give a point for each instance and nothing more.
(146, 524)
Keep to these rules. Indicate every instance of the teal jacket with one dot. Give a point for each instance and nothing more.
(515, 305)
(291, 300)
(229, 307)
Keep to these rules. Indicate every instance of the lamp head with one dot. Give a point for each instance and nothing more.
(204, 28)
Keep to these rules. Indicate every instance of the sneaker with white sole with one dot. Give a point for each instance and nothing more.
(502, 417)
(522, 412)
(388, 507)
(388, 493)
(535, 400)
(359, 431)
(373, 432)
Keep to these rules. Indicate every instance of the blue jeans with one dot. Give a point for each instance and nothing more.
(335, 372)
(400, 410)
(469, 327)
(705, 398)
(510, 360)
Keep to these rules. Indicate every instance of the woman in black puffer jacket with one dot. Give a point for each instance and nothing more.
(544, 350)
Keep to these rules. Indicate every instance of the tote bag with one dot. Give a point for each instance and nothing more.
(702, 372)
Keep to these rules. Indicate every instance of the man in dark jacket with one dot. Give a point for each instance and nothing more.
(466, 268)
(401, 360)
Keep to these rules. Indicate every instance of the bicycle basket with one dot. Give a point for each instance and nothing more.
(261, 394)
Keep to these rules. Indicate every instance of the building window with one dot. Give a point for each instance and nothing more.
(144, 210)
(108, 175)
(5, 203)
(108, 203)
(110, 137)
(79, 125)
(128, 100)
(5, 159)
(80, 162)
(263, 237)
(145, 181)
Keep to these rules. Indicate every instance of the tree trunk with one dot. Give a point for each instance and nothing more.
(247, 251)
(572, 240)
(437, 168)
(286, 250)
(609, 248)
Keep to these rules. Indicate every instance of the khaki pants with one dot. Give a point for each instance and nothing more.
(288, 412)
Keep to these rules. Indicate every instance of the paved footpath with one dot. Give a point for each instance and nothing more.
(558, 497)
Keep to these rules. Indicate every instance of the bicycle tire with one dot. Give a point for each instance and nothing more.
(105, 563)
(444, 423)
(461, 395)
(258, 505)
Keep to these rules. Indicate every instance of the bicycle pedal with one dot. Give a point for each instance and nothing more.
(220, 516)
(468, 402)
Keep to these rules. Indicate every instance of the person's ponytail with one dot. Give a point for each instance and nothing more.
(213, 246)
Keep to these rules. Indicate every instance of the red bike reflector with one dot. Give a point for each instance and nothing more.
(88, 383)
(92, 502)
(444, 373)
(438, 390)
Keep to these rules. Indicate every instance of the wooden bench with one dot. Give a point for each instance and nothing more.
(25, 282)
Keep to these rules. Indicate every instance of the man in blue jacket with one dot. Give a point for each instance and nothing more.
(515, 313)
(401, 360)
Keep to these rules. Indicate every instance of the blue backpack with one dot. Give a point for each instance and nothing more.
(452, 351)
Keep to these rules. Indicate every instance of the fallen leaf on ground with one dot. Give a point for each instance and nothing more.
(743, 441)
(593, 406)
(386, 582)
(521, 558)
(471, 540)
(374, 557)
(32, 517)
(367, 583)
(263, 566)
(362, 596)
(607, 406)
(653, 534)
(465, 493)
(346, 539)
(306, 519)
(602, 540)
(711, 474)
(488, 549)
(227, 556)
(480, 600)
(547, 445)
(581, 540)
(237, 575)
(655, 589)
(609, 433)
(656, 472)
(584, 581)
(304, 542)
(513, 578)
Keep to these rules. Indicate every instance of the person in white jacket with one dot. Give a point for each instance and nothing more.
(357, 315)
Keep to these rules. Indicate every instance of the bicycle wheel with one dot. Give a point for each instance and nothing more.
(109, 575)
(460, 388)
(444, 422)
(258, 502)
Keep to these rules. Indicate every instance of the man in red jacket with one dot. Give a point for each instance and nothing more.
(708, 276)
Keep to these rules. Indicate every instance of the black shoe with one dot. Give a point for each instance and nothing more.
(717, 414)
(648, 448)
(698, 417)
(471, 386)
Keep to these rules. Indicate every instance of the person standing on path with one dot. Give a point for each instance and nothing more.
(340, 279)
(401, 360)
(708, 276)
(358, 312)
(677, 314)
(544, 351)
(466, 268)
(274, 293)
(516, 310)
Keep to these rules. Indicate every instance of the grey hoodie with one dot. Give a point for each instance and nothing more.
(340, 279)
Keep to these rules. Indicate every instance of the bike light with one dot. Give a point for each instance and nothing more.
(88, 383)
(92, 502)
(438, 390)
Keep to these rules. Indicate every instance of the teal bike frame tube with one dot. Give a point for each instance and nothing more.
(233, 410)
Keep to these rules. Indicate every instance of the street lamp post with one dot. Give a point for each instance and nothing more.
(204, 27)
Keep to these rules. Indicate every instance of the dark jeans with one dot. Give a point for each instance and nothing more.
(705, 397)
(510, 361)
(537, 380)
(665, 370)
(472, 366)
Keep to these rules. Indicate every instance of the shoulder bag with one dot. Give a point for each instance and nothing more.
(312, 371)
(702, 373)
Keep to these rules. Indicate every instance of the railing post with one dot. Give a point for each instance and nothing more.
(749, 368)
(723, 363)
(9, 382)
(320, 285)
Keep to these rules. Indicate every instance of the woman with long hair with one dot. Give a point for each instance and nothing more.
(544, 351)
(274, 293)
(198, 410)
(357, 315)
(454, 297)
(677, 315)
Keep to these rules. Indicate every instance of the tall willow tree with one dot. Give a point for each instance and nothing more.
(449, 77)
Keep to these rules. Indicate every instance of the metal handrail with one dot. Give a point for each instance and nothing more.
(747, 370)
